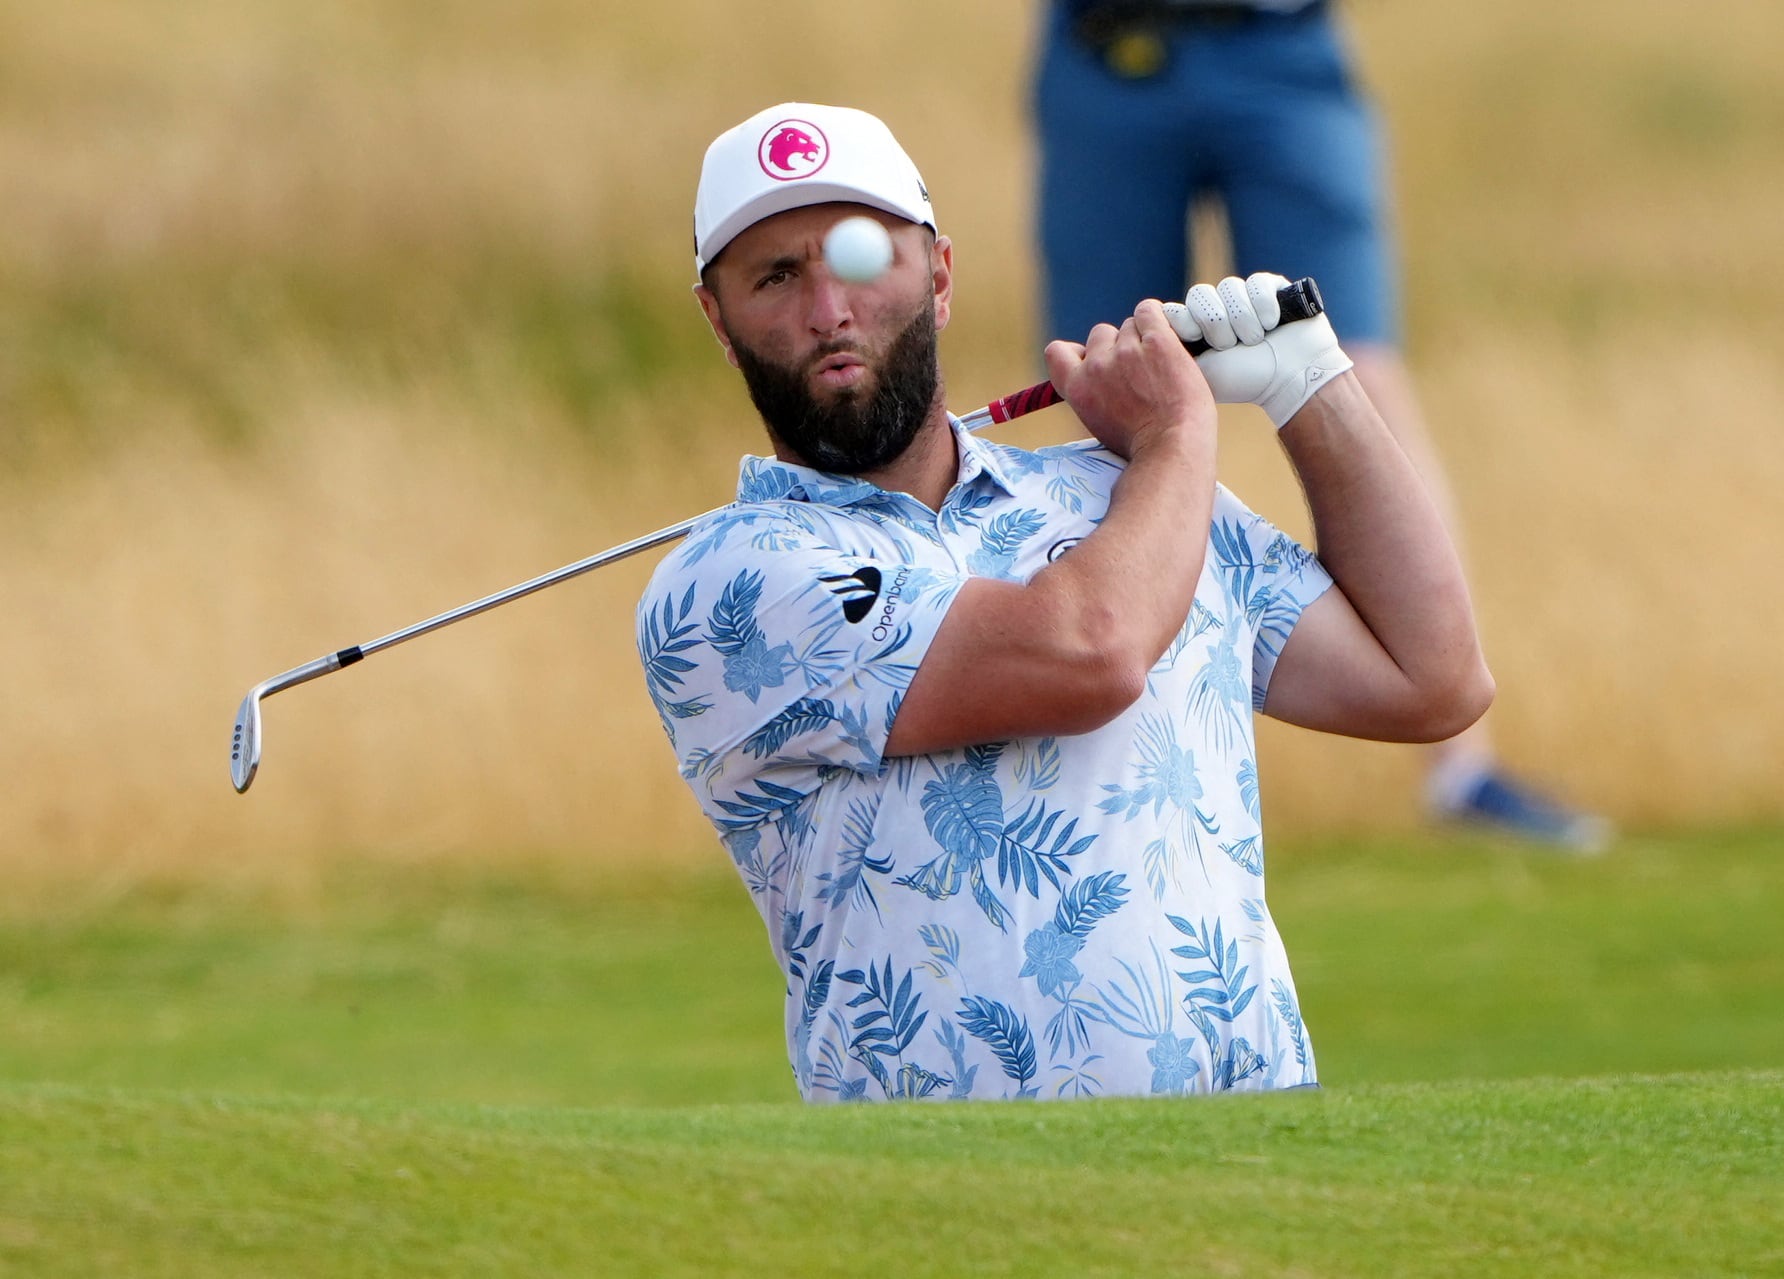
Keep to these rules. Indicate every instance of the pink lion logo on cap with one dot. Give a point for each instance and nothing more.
(792, 149)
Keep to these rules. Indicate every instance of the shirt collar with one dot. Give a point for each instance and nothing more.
(768, 479)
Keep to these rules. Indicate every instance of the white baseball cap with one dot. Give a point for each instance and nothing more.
(796, 154)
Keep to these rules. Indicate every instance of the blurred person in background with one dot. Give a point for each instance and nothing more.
(976, 724)
(1145, 107)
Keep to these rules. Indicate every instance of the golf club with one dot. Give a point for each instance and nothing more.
(1300, 300)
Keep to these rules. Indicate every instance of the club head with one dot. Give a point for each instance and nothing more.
(244, 750)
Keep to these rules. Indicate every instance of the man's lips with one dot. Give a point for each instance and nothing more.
(840, 370)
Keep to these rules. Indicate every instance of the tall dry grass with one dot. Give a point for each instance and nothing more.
(316, 320)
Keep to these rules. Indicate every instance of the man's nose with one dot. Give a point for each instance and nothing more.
(830, 311)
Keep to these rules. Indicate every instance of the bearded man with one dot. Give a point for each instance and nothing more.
(975, 723)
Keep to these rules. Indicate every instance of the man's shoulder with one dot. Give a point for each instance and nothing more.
(754, 535)
(1082, 457)
(1231, 512)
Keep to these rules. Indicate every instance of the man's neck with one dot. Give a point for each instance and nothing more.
(926, 470)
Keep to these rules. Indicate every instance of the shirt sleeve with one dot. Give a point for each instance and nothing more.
(772, 650)
(1270, 578)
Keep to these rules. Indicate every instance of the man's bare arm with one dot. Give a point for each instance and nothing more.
(1069, 650)
(1392, 652)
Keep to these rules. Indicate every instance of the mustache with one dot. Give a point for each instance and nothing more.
(837, 347)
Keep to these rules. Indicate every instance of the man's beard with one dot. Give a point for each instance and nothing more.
(854, 433)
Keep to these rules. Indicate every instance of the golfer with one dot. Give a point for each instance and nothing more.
(975, 723)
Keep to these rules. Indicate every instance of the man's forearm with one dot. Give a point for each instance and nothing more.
(1071, 649)
(1380, 534)
(1133, 580)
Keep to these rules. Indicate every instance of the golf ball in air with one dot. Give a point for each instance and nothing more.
(858, 249)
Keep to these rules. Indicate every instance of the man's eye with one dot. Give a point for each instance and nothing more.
(773, 278)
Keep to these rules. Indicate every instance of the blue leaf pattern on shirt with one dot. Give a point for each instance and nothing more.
(1048, 958)
(1290, 1013)
(848, 884)
(1049, 950)
(1167, 777)
(1032, 849)
(1239, 1062)
(1228, 999)
(750, 663)
(1001, 541)
(1037, 763)
(1249, 794)
(893, 1015)
(778, 708)
(1220, 694)
(968, 509)
(666, 634)
(1238, 565)
(964, 812)
(1247, 852)
(806, 715)
(1070, 492)
(1006, 1034)
(1089, 900)
(955, 1045)
(943, 944)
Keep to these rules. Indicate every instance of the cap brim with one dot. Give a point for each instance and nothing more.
(797, 195)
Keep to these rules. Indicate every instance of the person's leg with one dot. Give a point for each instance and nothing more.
(1114, 185)
(1304, 186)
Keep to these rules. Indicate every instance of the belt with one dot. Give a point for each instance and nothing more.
(1130, 36)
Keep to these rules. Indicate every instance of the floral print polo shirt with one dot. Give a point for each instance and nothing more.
(1052, 917)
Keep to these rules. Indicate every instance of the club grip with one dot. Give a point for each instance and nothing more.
(1299, 300)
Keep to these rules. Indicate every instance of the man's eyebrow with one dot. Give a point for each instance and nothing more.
(785, 262)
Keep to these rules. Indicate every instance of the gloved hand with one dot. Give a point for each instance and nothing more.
(1251, 360)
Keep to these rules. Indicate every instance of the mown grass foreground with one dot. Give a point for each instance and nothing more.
(1532, 1066)
(512, 982)
(1626, 1176)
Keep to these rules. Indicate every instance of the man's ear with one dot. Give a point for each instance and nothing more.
(941, 274)
(710, 305)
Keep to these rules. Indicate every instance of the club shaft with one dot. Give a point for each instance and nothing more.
(1006, 409)
(610, 556)
(1300, 300)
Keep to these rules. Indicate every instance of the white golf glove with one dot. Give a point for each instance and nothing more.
(1251, 360)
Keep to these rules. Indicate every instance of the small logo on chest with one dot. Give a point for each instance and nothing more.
(857, 591)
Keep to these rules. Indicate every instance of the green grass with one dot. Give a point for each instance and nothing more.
(1434, 959)
(470, 1070)
(1631, 1176)
(469, 985)
(1419, 960)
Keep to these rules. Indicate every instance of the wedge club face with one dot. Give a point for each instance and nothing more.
(244, 750)
(244, 747)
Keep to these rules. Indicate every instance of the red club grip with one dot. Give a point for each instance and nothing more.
(1299, 299)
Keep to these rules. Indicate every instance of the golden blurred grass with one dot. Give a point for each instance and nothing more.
(317, 320)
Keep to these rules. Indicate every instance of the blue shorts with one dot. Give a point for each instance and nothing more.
(1262, 116)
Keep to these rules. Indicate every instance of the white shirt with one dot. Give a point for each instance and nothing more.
(1060, 916)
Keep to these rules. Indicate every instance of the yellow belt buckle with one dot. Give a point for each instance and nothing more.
(1136, 54)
